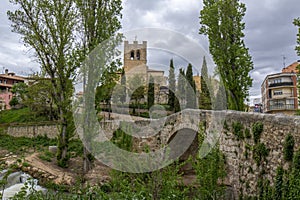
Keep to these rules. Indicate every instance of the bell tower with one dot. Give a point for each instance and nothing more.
(135, 57)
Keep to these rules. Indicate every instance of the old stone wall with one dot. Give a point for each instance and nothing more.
(244, 172)
(233, 132)
(50, 130)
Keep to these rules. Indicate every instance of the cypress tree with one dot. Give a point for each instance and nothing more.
(191, 88)
(204, 100)
(151, 94)
(123, 84)
(171, 97)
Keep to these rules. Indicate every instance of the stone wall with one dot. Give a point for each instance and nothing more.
(243, 171)
(50, 130)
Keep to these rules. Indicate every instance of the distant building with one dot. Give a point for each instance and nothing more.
(7, 81)
(279, 91)
(135, 64)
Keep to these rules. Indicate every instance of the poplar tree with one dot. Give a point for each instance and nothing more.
(221, 21)
(47, 26)
(204, 100)
(99, 21)
(171, 97)
(297, 48)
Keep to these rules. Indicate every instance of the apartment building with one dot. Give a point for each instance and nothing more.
(279, 91)
(7, 81)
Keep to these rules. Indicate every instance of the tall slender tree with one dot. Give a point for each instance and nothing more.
(172, 82)
(151, 95)
(47, 26)
(191, 101)
(99, 21)
(204, 100)
(123, 86)
(221, 20)
(297, 48)
(181, 84)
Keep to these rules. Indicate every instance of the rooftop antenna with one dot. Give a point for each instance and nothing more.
(283, 60)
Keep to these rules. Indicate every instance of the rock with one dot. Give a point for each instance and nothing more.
(53, 149)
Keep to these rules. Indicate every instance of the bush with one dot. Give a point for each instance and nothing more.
(288, 147)
(238, 130)
(257, 129)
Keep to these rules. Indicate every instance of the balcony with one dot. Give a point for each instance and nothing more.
(281, 84)
(282, 107)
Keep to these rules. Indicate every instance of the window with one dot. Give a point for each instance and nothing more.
(278, 80)
(138, 55)
(131, 55)
(277, 92)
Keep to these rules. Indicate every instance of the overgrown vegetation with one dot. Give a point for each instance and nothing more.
(288, 147)
(22, 115)
(238, 130)
(257, 129)
(22, 144)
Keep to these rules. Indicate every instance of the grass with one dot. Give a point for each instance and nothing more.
(22, 144)
(20, 116)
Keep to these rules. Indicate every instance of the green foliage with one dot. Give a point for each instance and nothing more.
(181, 85)
(150, 96)
(238, 130)
(288, 147)
(278, 183)
(191, 101)
(137, 94)
(161, 184)
(222, 22)
(260, 152)
(13, 102)
(257, 129)
(172, 89)
(47, 156)
(209, 171)
(122, 140)
(38, 98)
(247, 133)
(204, 99)
(297, 24)
(21, 144)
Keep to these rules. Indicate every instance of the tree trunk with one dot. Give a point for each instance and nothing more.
(87, 165)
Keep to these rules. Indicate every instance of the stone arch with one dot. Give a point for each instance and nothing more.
(184, 140)
(181, 136)
(132, 55)
(138, 54)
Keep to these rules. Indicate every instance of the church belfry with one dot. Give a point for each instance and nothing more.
(135, 55)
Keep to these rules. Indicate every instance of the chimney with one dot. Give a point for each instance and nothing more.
(6, 71)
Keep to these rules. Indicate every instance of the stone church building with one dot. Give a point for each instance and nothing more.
(135, 65)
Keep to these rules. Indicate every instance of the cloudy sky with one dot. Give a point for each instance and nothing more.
(270, 34)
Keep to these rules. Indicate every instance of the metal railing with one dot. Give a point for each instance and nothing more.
(281, 84)
(282, 107)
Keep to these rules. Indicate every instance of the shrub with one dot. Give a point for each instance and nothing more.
(257, 129)
(260, 152)
(238, 130)
(288, 147)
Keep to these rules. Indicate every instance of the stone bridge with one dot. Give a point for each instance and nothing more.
(243, 171)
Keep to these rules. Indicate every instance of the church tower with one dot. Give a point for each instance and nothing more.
(135, 57)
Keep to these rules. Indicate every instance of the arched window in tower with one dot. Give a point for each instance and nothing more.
(138, 55)
(131, 55)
